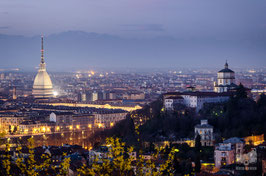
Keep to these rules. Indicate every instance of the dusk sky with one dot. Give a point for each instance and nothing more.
(211, 31)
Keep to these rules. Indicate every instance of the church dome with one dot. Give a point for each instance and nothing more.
(226, 69)
(42, 86)
(42, 81)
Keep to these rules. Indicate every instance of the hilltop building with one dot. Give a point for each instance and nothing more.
(194, 100)
(42, 86)
(225, 80)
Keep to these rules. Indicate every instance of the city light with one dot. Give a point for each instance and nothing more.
(55, 93)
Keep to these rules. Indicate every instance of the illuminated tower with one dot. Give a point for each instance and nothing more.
(42, 86)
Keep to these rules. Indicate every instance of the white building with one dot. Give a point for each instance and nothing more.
(225, 80)
(193, 99)
(206, 133)
(171, 102)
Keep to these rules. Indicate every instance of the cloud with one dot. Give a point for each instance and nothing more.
(4, 27)
(5, 13)
(143, 27)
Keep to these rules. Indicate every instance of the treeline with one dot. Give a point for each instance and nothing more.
(240, 116)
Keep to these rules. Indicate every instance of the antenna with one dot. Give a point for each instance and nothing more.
(42, 57)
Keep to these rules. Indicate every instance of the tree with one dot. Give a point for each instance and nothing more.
(9, 129)
(262, 101)
(7, 160)
(64, 166)
(119, 161)
(15, 129)
(29, 166)
(198, 153)
(114, 162)
(198, 143)
(240, 92)
(2, 135)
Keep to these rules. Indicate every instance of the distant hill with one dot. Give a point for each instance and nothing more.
(77, 49)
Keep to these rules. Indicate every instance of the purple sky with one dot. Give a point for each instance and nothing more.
(136, 18)
(242, 21)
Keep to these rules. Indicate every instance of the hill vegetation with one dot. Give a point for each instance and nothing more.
(239, 117)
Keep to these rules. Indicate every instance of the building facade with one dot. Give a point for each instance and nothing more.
(104, 120)
(9, 123)
(206, 133)
(193, 99)
(224, 155)
(229, 152)
(171, 102)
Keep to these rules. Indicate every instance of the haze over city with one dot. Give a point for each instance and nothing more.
(133, 34)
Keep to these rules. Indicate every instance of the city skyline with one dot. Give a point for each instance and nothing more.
(132, 87)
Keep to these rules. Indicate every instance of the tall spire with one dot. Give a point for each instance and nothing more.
(42, 57)
(42, 64)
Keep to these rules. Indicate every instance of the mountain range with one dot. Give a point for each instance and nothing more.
(74, 50)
